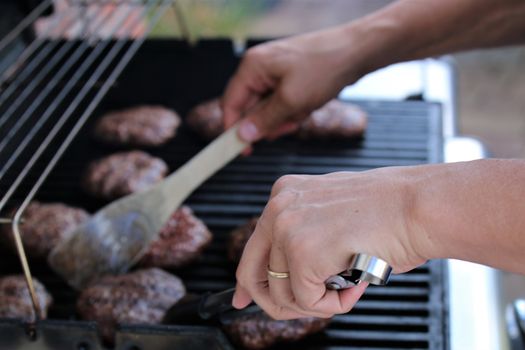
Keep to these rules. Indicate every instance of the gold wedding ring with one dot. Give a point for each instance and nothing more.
(280, 275)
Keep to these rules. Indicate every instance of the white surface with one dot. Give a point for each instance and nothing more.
(395, 82)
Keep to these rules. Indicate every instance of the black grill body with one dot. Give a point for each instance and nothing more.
(409, 313)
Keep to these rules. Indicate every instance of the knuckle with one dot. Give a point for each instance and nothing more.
(284, 182)
(255, 54)
(285, 224)
(279, 203)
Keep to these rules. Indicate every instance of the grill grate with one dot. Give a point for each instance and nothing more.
(409, 313)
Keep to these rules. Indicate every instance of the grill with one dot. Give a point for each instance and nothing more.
(61, 83)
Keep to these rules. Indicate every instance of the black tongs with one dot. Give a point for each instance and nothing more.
(194, 309)
(208, 307)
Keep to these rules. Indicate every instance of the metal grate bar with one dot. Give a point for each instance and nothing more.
(77, 54)
(10, 72)
(15, 33)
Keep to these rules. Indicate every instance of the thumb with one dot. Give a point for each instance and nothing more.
(265, 118)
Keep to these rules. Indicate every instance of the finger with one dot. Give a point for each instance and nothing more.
(251, 271)
(265, 118)
(279, 288)
(244, 90)
(241, 297)
(252, 280)
(315, 297)
(286, 128)
(236, 101)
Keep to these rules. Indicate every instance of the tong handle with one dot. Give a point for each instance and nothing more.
(363, 267)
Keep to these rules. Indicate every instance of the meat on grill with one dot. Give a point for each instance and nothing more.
(206, 119)
(44, 226)
(238, 239)
(140, 297)
(179, 242)
(139, 126)
(123, 173)
(15, 300)
(259, 331)
(336, 119)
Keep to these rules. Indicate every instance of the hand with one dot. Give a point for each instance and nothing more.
(311, 227)
(280, 83)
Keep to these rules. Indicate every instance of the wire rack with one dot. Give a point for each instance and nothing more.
(63, 68)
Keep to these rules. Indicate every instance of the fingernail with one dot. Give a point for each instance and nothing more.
(248, 131)
(234, 300)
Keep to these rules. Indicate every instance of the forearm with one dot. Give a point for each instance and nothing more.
(412, 29)
(474, 211)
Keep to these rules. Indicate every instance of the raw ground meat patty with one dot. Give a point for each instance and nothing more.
(206, 119)
(139, 126)
(123, 173)
(15, 300)
(179, 242)
(259, 331)
(44, 225)
(140, 297)
(238, 239)
(335, 119)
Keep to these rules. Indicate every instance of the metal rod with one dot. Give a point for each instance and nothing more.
(72, 106)
(34, 80)
(183, 23)
(28, 51)
(24, 24)
(9, 221)
(25, 267)
(44, 93)
(27, 71)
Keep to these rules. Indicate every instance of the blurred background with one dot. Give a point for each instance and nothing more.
(491, 83)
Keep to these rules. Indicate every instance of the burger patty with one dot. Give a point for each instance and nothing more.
(206, 119)
(138, 126)
(179, 242)
(258, 330)
(336, 119)
(123, 173)
(15, 300)
(44, 226)
(140, 297)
